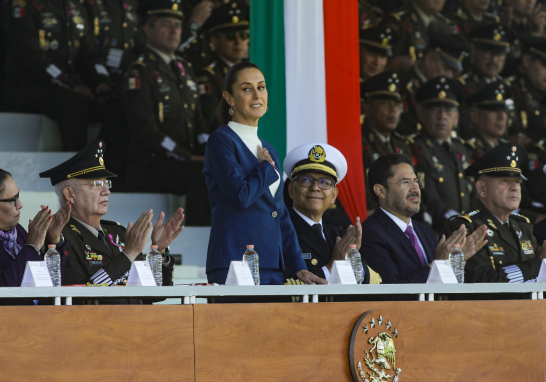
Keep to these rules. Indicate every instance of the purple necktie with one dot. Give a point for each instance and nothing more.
(413, 238)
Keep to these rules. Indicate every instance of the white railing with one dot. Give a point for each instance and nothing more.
(188, 294)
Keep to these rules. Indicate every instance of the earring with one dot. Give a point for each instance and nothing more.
(232, 111)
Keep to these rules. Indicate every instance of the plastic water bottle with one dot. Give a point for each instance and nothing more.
(253, 260)
(53, 262)
(353, 256)
(155, 260)
(456, 258)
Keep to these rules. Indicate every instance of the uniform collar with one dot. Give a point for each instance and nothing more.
(382, 138)
(307, 220)
(163, 56)
(94, 231)
(426, 19)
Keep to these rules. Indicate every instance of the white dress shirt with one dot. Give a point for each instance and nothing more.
(403, 226)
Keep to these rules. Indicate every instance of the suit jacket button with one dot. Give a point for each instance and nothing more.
(314, 261)
(274, 214)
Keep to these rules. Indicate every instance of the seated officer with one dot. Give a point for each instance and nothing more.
(102, 251)
(488, 117)
(441, 158)
(393, 243)
(160, 100)
(443, 56)
(512, 253)
(375, 49)
(312, 190)
(228, 28)
(382, 106)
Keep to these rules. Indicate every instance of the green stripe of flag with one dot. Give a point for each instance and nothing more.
(267, 51)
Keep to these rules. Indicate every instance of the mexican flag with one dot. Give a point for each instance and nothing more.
(309, 53)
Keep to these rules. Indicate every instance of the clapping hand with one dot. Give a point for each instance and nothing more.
(58, 221)
(444, 246)
(474, 242)
(136, 235)
(164, 234)
(37, 228)
(542, 253)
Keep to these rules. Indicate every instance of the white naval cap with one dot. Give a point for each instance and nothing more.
(317, 156)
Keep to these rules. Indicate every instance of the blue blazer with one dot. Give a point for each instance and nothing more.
(243, 209)
(389, 252)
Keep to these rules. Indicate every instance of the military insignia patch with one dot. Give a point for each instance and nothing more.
(18, 12)
(74, 228)
(204, 88)
(376, 336)
(527, 247)
(496, 250)
(491, 223)
(317, 154)
(490, 233)
(133, 83)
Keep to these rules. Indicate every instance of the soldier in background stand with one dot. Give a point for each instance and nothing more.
(117, 33)
(160, 100)
(381, 109)
(442, 57)
(412, 24)
(228, 28)
(53, 69)
(375, 50)
(529, 88)
(441, 158)
(471, 14)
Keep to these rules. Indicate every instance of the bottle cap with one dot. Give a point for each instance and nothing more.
(457, 245)
(51, 246)
(153, 246)
(250, 246)
(352, 245)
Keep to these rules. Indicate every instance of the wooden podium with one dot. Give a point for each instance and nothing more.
(443, 341)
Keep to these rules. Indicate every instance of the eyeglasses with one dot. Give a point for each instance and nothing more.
(243, 35)
(307, 182)
(168, 24)
(101, 183)
(406, 184)
(15, 199)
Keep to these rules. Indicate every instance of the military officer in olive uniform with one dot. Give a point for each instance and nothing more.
(53, 69)
(375, 49)
(471, 15)
(102, 251)
(117, 32)
(441, 158)
(529, 88)
(443, 56)
(412, 23)
(489, 108)
(512, 253)
(229, 34)
(160, 100)
(381, 107)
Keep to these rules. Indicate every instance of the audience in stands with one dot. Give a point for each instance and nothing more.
(16, 245)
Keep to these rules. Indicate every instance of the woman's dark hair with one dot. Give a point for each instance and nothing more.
(4, 175)
(381, 171)
(231, 77)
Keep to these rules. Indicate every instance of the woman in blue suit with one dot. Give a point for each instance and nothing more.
(245, 187)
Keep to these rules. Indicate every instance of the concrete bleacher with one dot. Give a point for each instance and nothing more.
(30, 144)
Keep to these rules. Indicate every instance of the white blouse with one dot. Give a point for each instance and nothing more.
(249, 135)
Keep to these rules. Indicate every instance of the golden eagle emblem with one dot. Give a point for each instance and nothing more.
(317, 154)
(385, 351)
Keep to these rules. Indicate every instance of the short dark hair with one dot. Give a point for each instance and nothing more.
(231, 77)
(381, 171)
(4, 175)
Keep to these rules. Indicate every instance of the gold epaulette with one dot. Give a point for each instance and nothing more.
(461, 80)
(468, 216)
(470, 142)
(209, 69)
(110, 222)
(409, 139)
(520, 217)
(540, 145)
(140, 61)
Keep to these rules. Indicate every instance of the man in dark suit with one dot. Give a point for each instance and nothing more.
(102, 251)
(312, 192)
(399, 248)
